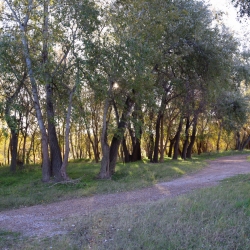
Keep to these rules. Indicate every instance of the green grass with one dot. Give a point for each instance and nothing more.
(211, 218)
(24, 188)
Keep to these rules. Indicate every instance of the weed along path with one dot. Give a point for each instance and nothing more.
(54, 219)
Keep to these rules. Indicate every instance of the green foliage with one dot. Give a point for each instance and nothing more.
(157, 52)
(232, 109)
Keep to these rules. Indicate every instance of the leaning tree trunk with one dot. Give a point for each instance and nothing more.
(192, 139)
(171, 145)
(45, 153)
(177, 141)
(117, 138)
(244, 143)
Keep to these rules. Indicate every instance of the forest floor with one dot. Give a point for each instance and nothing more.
(55, 219)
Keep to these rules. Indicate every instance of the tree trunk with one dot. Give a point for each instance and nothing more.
(237, 138)
(30, 148)
(172, 142)
(55, 152)
(127, 156)
(13, 150)
(161, 141)
(23, 28)
(94, 145)
(136, 154)
(67, 131)
(244, 143)
(192, 139)
(114, 152)
(105, 162)
(24, 147)
(117, 138)
(5, 151)
(218, 139)
(157, 137)
(136, 144)
(185, 144)
(72, 146)
(13, 124)
(177, 141)
(151, 147)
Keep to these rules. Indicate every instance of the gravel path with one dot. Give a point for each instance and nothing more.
(47, 220)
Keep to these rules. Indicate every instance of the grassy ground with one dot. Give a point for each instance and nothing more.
(212, 218)
(25, 188)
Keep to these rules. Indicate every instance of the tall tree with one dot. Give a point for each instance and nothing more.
(56, 38)
(243, 7)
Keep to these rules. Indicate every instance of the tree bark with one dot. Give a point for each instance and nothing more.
(67, 131)
(244, 143)
(237, 138)
(117, 138)
(161, 140)
(105, 162)
(23, 27)
(157, 137)
(136, 154)
(192, 139)
(219, 136)
(177, 141)
(185, 144)
(151, 147)
(171, 145)
(13, 150)
(127, 156)
(55, 152)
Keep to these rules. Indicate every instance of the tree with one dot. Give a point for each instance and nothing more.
(243, 7)
(13, 78)
(119, 80)
(46, 44)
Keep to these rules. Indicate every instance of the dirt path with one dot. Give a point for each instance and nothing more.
(45, 220)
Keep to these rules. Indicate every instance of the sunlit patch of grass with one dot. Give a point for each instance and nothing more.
(24, 188)
(179, 171)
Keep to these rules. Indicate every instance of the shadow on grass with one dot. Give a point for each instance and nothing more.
(24, 188)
